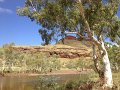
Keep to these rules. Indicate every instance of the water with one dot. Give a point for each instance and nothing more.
(28, 82)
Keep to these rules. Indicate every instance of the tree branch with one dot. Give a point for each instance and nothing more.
(34, 9)
(75, 33)
(89, 32)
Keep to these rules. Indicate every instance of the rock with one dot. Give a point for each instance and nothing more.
(62, 51)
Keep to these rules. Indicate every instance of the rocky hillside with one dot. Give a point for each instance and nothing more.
(75, 42)
(64, 51)
(72, 48)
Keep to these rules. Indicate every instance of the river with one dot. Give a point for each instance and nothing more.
(29, 82)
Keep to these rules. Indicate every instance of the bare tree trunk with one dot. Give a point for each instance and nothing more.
(96, 64)
(108, 82)
(107, 73)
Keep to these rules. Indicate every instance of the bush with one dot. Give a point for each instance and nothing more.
(79, 64)
(70, 85)
(114, 56)
(26, 62)
(47, 83)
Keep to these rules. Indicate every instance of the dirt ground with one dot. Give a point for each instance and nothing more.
(58, 72)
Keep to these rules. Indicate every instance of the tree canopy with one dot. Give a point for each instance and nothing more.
(66, 15)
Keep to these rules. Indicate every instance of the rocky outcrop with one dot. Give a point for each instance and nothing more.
(63, 51)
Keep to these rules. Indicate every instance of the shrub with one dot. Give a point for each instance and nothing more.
(47, 83)
(114, 55)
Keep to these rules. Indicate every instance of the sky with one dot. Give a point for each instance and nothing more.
(17, 29)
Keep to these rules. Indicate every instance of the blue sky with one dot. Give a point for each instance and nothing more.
(17, 29)
(14, 28)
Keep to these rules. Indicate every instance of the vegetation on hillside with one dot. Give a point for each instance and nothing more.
(13, 61)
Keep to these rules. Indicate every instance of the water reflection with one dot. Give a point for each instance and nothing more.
(15, 83)
(28, 83)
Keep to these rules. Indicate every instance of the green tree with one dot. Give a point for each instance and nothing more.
(114, 54)
(46, 36)
(94, 19)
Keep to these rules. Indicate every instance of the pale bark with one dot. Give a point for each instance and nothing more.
(100, 43)
(108, 82)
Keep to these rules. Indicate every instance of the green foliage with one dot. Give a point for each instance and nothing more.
(8, 55)
(85, 82)
(43, 64)
(79, 64)
(71, 64)
(47, 83)
(46, 36)
(66, 15)
(52, 83)
(37, 62)
(114, 55)
(70, 85)
(1, 53)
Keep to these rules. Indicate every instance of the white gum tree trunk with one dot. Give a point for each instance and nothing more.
(108, 82)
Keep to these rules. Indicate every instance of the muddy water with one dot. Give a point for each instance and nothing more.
(29, 82)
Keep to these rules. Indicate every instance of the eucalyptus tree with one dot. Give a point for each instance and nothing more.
(46, 36)
(94, 19)
(114, 57)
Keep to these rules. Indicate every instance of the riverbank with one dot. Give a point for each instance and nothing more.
(58, 72)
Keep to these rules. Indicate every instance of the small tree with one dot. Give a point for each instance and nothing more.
(96, 18)
(114, 57)
(46, 36)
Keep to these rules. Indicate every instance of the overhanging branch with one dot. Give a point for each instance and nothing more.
(77, 33)
(89, 32)
(34, 9)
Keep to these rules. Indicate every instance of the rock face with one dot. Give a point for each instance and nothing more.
(63, 51)
(70, 38)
